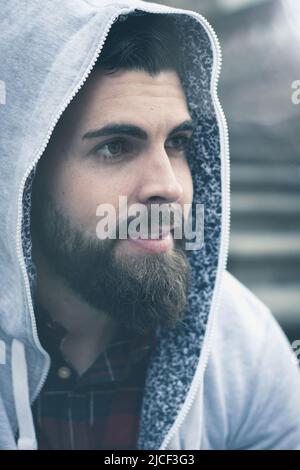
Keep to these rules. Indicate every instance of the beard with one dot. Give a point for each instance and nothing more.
(139, 292)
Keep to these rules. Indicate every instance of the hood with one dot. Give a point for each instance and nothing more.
(46, 56)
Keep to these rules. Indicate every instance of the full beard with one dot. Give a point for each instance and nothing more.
(139, 292)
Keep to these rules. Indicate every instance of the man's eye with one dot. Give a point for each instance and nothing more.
(178, 143)
(113, 150)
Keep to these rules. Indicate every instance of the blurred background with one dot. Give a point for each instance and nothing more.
(260, 40)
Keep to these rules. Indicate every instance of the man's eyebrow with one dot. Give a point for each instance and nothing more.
(188, 125)
(133, 131)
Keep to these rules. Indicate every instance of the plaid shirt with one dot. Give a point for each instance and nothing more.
(99, 409)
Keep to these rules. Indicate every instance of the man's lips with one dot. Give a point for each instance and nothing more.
(162, 232)
(164, 243)
(157, 241)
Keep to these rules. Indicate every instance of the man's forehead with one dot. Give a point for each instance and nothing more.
(129, 96)
(133, 84)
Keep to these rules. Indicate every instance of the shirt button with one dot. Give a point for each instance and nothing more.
(64, 372)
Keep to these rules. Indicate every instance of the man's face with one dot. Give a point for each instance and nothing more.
(84, 167)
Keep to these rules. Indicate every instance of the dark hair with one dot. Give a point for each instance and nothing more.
(141, 42)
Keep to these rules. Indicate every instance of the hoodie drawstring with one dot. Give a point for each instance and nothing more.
(27, 438)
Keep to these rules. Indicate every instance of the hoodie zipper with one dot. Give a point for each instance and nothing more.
(224, 243)
(20, 198)
(225, 210)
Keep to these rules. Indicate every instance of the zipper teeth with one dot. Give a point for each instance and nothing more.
(20, 196)
(224, 237)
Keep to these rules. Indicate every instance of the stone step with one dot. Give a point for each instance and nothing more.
(256, 142)
(259, 203)
(283, 301)
(262, 270)
(265, 212)
(265, 245)
(266, 176)
(254, 223)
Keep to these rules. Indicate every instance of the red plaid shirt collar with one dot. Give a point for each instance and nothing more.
(99, 409)
(112, 365)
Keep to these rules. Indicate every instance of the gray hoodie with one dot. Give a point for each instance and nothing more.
(226, 377)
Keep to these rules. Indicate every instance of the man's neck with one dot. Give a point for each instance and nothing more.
(89, 331)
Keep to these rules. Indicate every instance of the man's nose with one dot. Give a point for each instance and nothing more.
(158, 182)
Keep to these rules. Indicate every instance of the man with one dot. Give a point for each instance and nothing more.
(125, 342)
